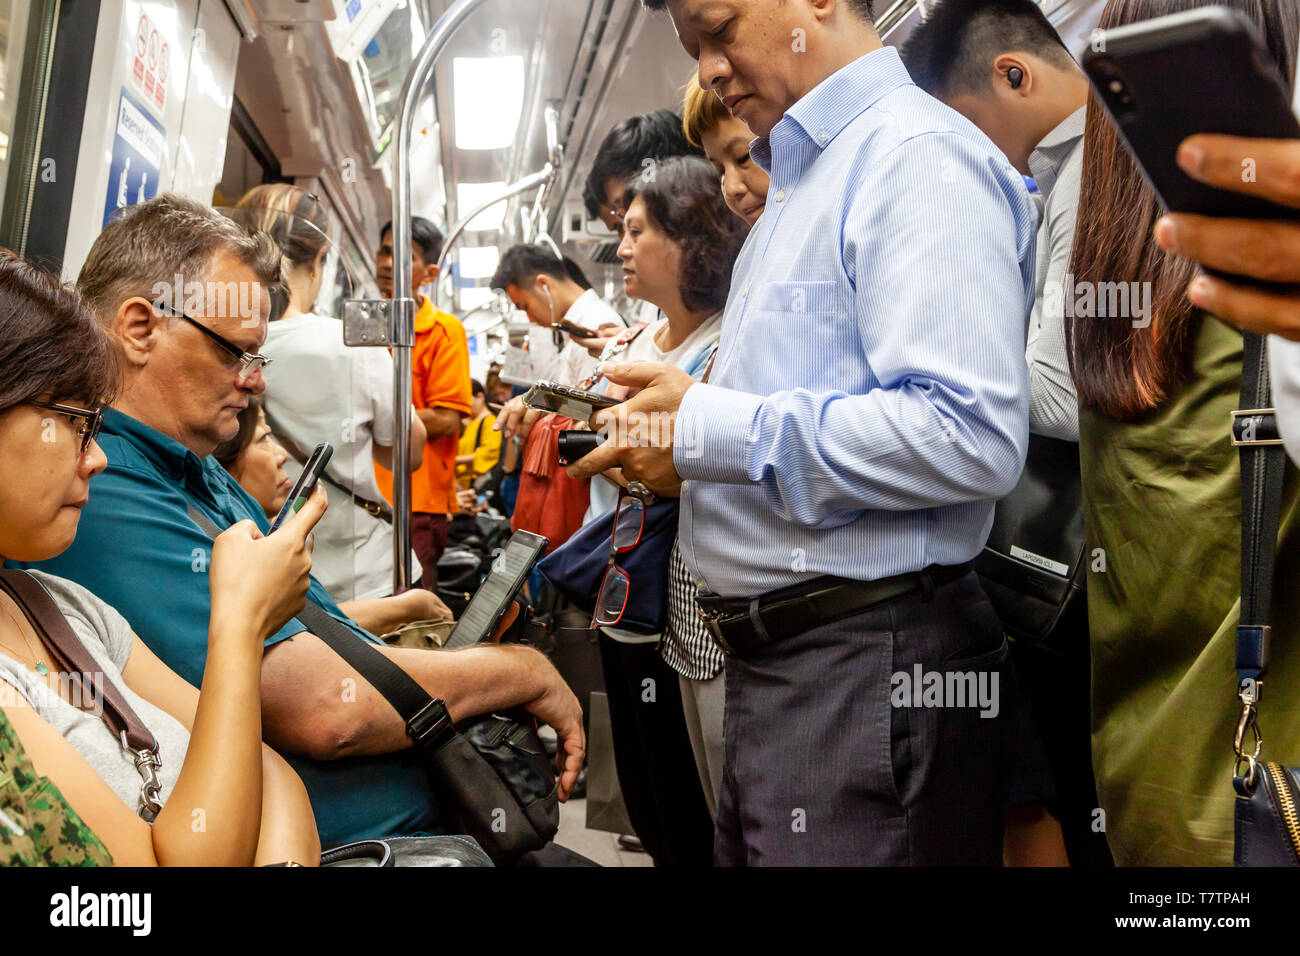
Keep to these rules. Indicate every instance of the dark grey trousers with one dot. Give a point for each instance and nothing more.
(840, 750)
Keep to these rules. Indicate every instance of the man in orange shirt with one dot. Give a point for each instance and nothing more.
(440, 392)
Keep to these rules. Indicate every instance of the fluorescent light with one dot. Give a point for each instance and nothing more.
(471, 299)
(478, 262)
(469, 195)
(489, 97)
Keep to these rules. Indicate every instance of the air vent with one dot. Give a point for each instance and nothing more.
(605, 254)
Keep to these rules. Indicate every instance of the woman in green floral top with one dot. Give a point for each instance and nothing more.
(37, 826)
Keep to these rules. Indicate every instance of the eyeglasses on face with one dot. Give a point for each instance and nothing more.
(249, 364)
(89, 420)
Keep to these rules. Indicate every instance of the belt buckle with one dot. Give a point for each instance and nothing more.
(710, 619)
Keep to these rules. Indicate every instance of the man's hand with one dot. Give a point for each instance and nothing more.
(639, 432)
(1267, 251)
(422, 605)
(604, 335)
(517, 418)
(558, 707)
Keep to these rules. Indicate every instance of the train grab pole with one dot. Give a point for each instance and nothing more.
(404, 306)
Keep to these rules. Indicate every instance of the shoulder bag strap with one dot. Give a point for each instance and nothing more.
(1263, 462)
(372, 508)
(75, 660)
(427, 721)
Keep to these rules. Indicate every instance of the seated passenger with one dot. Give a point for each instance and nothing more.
(1162, 497)
(57, 367)
(256, 460)
(480, 443)
(321, 390)
(190, 367)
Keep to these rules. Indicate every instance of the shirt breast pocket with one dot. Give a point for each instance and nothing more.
(801, 334)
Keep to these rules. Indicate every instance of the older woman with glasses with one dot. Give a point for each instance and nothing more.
(207, 792)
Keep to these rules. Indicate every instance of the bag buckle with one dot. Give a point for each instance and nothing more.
(430, 727)
(147, 763)
(1246, 421)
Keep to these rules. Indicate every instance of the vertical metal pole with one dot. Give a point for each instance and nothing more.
(403, 305)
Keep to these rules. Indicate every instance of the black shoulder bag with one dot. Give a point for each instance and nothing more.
(491, 772)
(1032, 566)
(1267, 812)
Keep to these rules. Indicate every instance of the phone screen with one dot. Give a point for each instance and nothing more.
(570, 402)
(490, 601)
(306, 483)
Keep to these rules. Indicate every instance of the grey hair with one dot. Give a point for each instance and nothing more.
(155, 242)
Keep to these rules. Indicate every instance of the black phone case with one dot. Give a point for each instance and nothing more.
(1204, 72)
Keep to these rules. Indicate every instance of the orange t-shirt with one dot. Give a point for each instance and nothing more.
(439, 379)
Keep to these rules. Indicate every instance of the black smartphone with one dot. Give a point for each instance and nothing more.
(492, 599)
(575, 330)
(563, 400)
(306, 483)
(1201, 71)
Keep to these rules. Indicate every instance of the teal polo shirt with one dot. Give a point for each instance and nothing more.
(138, 550)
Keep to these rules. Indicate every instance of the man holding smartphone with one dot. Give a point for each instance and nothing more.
(868, 404)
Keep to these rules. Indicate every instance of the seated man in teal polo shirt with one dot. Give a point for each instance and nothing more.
(184, 291)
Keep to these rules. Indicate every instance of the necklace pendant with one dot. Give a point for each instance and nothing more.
(41, 668)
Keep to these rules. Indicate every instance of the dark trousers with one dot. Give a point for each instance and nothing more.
(653, 756)
(1058, 687)
(833, 757)
(429, 539)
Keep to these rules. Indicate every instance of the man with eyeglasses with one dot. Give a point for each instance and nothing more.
(191, 360)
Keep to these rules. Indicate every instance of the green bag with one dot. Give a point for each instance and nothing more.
(37, 826)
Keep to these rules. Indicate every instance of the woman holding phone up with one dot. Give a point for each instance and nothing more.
(226, 799)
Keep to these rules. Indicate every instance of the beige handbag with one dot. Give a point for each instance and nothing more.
(428, 635)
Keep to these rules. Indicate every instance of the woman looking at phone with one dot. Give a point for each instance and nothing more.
(226, 798)
(678, 247)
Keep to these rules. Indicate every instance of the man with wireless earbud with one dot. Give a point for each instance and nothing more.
(1002, 65)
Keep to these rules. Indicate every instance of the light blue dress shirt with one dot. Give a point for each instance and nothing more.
(869, 401)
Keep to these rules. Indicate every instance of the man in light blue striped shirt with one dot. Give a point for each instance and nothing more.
(868, 404)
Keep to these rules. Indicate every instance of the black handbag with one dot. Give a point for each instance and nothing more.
(407, 851)
(492, 772)
(1033, 565)
(1267, 810)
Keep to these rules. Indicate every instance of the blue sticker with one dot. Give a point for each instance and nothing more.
(139, 145)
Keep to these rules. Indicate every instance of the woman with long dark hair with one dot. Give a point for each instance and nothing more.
(1162, 500)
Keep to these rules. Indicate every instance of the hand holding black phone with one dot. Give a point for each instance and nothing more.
(1201, 71)
(306, 483)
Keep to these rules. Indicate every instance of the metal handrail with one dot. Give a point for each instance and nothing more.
(404, 332)
(539, 178)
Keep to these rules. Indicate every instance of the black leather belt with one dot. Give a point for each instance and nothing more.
(735, 622)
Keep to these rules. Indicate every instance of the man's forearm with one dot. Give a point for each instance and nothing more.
(439, 421)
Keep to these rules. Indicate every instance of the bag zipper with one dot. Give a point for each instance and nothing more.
(1286, 804)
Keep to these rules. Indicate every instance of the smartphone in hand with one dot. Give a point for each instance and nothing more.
(1201, 71)
(562, 400)
(306, 483)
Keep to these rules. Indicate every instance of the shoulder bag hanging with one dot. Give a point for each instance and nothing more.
(73, 659)
(1032, 566)
(1267, 812)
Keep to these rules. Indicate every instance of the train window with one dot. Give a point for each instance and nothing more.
(13, 31)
